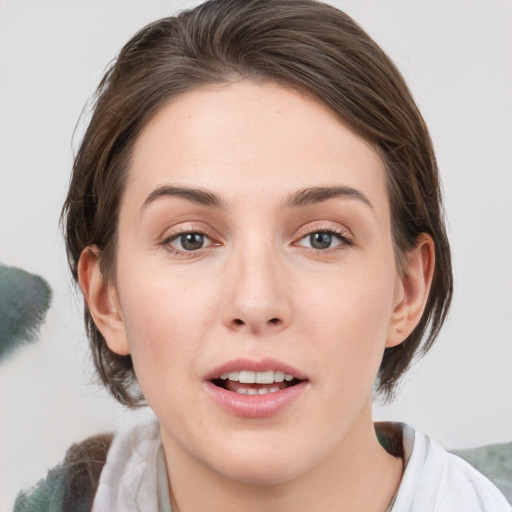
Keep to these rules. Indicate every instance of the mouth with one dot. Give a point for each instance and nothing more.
(248, 382)
(256, 389)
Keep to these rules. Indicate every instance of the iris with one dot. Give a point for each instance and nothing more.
(320, 240)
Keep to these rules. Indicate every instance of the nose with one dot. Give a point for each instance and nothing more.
(256, 300)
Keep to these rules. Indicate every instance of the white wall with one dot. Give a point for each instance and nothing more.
(457, 58)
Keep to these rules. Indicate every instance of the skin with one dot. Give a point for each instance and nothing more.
(257, 289)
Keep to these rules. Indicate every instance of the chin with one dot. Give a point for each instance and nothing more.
(263, 463)
(261, 473)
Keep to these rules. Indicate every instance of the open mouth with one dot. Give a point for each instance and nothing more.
(248, 382)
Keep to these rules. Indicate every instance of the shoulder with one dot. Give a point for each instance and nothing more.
(70, 486)
(435, 480)
(466, 488)
(129, 478)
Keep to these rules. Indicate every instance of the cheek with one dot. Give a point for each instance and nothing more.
(166, 316)
(348, 315)
(349, 301)
(165, 329)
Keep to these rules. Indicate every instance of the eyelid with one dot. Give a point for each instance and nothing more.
(171, 234)
(176, 236)
(181, 228)
(343, 234)
(324, 227)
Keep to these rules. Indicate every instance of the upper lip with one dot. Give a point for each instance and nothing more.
(262, 365)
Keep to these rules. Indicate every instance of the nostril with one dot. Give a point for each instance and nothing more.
(239, 322)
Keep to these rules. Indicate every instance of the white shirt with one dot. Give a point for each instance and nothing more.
(134, 478)
(437, 481)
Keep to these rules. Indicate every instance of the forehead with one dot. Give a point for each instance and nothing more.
(243, 138)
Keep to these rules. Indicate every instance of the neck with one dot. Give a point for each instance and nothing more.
(358, 474)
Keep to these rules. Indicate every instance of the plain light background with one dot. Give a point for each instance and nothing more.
(456, 57)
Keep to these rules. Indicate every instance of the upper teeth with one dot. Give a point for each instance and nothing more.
(248, 377)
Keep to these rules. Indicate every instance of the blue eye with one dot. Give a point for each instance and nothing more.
(188, 241)
(323, 240)
(320, 240)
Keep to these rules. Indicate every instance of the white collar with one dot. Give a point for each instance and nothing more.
(134, 478)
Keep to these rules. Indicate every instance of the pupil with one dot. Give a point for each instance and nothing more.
(192, 241)
(320, 240)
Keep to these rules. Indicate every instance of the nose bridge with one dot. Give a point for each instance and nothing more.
(256, 299)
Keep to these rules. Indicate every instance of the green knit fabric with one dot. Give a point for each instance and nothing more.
(71, 486)
(46, 496)
(24, 301)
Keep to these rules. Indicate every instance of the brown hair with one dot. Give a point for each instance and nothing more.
(302, 44)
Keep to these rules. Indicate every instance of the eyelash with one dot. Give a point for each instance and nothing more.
(167, 243)
(341, 234)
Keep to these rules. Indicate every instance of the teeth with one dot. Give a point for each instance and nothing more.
(265, 377)
(278, 376)
(260, 391)
(248, 377)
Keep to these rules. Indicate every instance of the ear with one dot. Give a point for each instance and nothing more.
(412, 290)
(101, 298)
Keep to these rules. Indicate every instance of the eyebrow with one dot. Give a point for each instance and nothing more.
(195, 195)
(302, 197)
(311, 195)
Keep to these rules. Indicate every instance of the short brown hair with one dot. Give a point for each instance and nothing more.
(302, 44)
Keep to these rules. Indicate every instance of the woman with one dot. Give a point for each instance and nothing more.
(254, 219)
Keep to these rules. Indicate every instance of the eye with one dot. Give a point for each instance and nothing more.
(188, 242)
(324, 240)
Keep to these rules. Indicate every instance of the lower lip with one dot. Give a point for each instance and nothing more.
(255, 406)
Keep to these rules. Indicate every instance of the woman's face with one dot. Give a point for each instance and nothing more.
(255, 247)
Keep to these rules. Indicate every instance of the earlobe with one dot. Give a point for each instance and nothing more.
(412, 290)
(101, 298)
